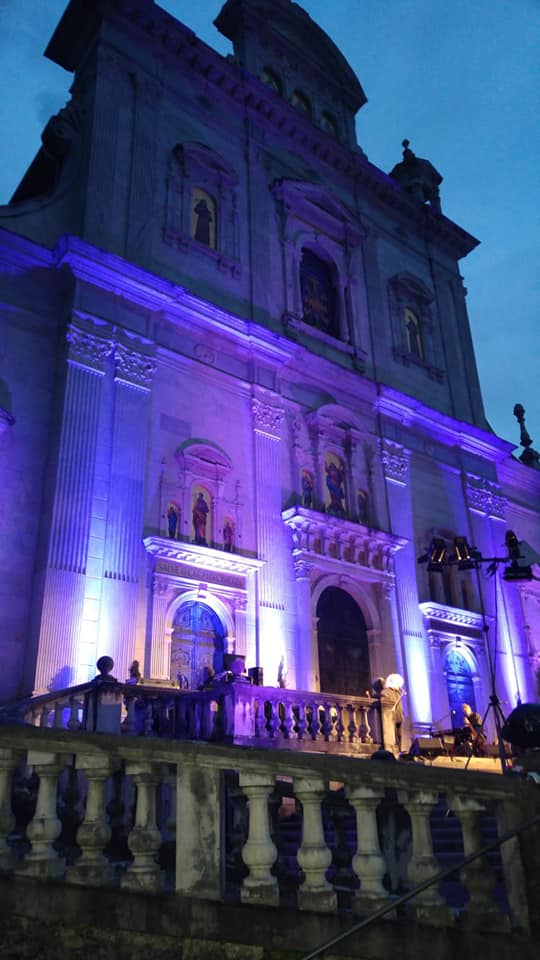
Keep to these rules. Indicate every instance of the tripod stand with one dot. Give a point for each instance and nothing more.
(494, 704)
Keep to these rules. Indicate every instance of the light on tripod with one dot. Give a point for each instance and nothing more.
(436, 554)
(514, 571)
(465, 555)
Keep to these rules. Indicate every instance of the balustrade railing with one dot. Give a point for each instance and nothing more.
(225, 822)
(232, 712)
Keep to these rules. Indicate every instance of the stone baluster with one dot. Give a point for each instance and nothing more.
(94, 833)
(300, 724)
(144, 840)
(259, 853)
(478, 877)
(58, 721)
(314, 857)
(429, 906)
(287, 721)
(351, 726)
(340, 726)
(131, 722)
(8, 760)
(45, 827)
(74, 706)
(368, 862)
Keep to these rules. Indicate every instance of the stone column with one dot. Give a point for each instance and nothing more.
(259, 853)
(307, 669)
(428, 905)
(267, 422)
(61, 642)
(368, 862)
(8, 759)
(144, 840)
(92, 868)
(314, 857)
(43, 861)
(160, 651)
(478, 877)
(123, 552)
(411, 646)
(198, 831)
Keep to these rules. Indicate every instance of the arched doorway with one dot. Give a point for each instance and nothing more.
(343, 645)
(197, 646)
(459, 684)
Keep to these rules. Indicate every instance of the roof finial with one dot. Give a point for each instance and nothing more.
(418, 177)
(529, 456)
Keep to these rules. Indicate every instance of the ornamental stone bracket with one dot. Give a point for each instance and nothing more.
(485, 497)
(199, 563)
(451, 622)
(321, 539)
(395, 461)
(6, 421)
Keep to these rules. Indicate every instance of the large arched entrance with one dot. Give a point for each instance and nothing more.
(197, 644)
(459, 684)
(343, 645)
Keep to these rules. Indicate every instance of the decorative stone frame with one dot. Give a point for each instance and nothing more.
(200, 464)
(310, 218)
(408, 293)
(191, 166)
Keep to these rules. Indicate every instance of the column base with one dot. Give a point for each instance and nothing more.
(42, 869)
(363, 906)
(267, 894)
(490, 920)
(322, 900)
(147, 882)
(436, 915)
(92, 874)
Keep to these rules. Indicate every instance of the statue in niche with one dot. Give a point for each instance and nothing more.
(200, 515)
(203, 218)
(362, 500)
(228, 536)
(335, 476)
(172, 521)
(307, 489)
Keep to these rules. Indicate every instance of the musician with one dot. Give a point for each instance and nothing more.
(472, 735)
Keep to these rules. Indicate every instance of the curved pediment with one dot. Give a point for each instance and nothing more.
(314, 203)
(195, 154)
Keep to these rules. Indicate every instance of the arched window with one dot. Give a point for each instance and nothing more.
(459, 684)
(413, 333)
(301, 102)
(319, 298)
(271, 80)
(329, 125)
(203, 218)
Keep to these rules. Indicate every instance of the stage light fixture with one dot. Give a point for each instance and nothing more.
(436, 554)
(515, 571)
(465, 556)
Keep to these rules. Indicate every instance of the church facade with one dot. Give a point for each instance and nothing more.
(238, 390)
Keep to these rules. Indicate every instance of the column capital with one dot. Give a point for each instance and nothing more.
(133, 367)
(395, 461)
(87, 350)
(267, 419)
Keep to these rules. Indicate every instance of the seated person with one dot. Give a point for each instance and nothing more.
(471, 738)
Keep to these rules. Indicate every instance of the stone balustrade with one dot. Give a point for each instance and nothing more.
(232, 712)
(225, 822)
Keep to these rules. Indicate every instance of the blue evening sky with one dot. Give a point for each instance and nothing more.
(459, 78)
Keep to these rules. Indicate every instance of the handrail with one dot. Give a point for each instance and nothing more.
(405, 897)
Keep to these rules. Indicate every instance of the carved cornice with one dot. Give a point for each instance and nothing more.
(133, 367)
(87, 350)
(485, 497)
(266, 418)
(203, 558)
(452, 616)
(395, 461)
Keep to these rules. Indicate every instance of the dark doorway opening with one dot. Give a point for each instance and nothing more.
(343, 644)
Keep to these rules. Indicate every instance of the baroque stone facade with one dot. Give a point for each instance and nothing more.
(234, 407)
